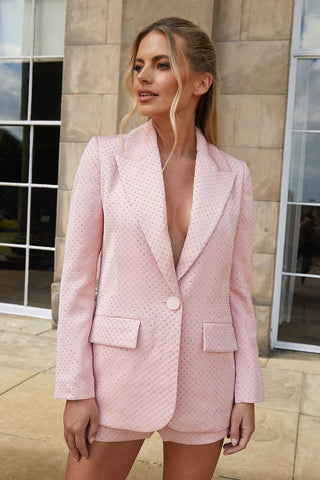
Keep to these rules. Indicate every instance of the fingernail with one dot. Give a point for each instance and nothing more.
(234, 442)
(92, 440)
(84, 458)
(75, 459)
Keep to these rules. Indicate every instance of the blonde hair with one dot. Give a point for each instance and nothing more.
(200, 52)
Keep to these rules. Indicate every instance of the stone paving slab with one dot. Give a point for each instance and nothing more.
(19, 350)
(31, 411)
(282, 390)
(273, 443)
(32, 447)
(29, 325)
(29, 459)
(298, 361)
(307, 461)
(311, 396)
(11, 377)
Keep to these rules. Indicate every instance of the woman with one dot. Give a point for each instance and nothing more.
(170, 344)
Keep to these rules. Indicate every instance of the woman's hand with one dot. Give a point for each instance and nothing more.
(78, 416)
(242, 427)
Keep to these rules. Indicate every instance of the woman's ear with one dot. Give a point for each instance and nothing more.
(203, 83)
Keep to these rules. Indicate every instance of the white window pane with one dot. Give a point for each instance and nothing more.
(299, 311)
(15, 28)
(49, 27)
(14, 83)
(304, 177)
(302, 247)
(307, 96)
(310, 24)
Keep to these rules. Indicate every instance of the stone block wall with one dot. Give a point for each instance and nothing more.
(89, 98)
(97, 42)
(253, 47)
(253, 40)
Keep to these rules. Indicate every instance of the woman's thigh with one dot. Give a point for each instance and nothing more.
(190, 462)
(107, 461)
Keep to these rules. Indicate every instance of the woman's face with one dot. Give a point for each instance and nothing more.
(154, 82)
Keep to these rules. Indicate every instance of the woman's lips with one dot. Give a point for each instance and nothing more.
(146, 95)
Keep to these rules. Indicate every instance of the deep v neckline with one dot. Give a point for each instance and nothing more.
(190, 215)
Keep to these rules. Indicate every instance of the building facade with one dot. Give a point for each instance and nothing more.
(269, 61)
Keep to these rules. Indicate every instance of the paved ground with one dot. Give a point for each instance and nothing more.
(285, 445)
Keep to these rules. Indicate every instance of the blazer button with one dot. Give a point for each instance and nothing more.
(173, 302)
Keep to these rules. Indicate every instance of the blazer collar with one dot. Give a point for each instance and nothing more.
(141, 171)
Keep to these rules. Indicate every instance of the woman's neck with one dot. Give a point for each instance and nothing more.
(186, 144)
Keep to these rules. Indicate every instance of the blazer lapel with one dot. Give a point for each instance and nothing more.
(141, 170)
(211, 190)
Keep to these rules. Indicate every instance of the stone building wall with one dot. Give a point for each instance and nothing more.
(89, 99)
(253, 47)
(253, 40)
(97, 35)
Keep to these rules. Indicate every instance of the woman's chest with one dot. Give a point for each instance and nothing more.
(178, 185)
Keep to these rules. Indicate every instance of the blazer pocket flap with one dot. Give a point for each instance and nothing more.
(219, 337)
(115, 331)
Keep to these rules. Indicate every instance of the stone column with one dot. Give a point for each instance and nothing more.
(253, 49)
(89, 98)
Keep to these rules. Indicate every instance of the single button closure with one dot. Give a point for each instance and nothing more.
(173, 302)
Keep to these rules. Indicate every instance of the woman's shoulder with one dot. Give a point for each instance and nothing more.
(228, 162)
(109, 143)
(113, 143)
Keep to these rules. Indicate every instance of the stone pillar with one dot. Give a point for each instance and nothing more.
(253, 49)
(89, 98)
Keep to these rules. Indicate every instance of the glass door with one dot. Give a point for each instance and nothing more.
(296, 306)
(31, 55)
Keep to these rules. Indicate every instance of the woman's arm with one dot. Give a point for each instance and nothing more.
(74, 373)
(248, 382)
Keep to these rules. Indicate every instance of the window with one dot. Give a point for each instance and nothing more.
(296, 305)
(31, 55)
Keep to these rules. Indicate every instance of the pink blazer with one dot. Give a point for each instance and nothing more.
(160, 345)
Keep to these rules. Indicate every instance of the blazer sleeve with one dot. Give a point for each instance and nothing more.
(248, 384)
(74, 372)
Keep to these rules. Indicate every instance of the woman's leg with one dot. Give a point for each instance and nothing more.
(190, 462)
(107, 461)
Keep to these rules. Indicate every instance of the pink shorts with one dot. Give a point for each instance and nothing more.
(168, 434)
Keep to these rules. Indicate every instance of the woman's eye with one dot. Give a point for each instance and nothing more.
(137, 68)
(163, 66)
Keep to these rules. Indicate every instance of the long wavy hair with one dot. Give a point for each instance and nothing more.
(199, 51)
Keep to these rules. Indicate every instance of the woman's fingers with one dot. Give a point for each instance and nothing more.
(72, 447)
(80, 416)
(81, 444)
(235, 429)
(245, 436)
(93, 428)
(243, 442)
(241, 428)
(229, 449)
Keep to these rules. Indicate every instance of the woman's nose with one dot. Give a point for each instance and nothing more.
(145, 75)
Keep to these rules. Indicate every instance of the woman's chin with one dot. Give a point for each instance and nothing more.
(145, 111)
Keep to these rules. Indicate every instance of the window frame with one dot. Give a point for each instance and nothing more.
(25, 309)
(296, 53)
